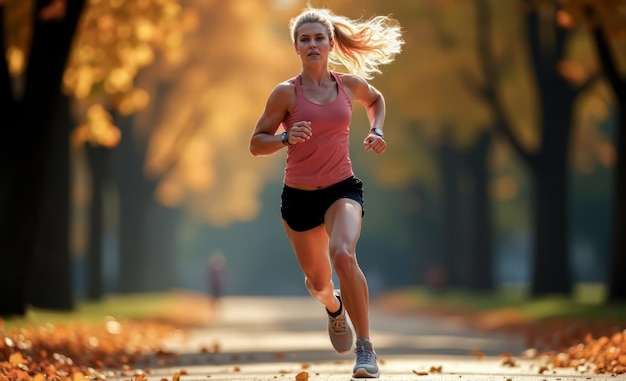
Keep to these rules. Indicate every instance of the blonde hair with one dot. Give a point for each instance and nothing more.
(360, 45)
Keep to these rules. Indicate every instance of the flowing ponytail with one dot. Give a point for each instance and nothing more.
(360, 45)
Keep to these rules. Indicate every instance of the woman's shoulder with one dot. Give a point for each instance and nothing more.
(288, 84)
(284, 89)
(353, 84)
(351, 80)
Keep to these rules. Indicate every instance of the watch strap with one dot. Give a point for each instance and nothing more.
(284, 138)
(377, 131)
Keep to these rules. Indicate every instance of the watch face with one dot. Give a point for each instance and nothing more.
(378, 132)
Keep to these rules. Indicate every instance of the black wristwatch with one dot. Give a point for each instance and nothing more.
(284, 138)
(377, 131)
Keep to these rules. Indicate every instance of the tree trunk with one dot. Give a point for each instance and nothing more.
(551, 265)
(134, 197)
(98, 158)
(451, 209)
(52, 262)
(25, 140)
(147, 229)
(160, 265)
(480, 274)
(551, 269)
(617, 280)
(12, 297)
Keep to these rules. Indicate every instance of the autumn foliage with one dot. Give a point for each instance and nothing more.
(606, 354)
(116, 348)
(79, 351)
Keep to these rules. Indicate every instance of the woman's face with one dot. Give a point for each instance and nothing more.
(312, 43)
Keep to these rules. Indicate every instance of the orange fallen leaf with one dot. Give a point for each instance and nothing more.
(302, 376)
(16, 358)
(478, 354)
(508, 361)
(436, 369)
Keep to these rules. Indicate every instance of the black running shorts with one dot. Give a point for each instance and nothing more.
(305, 209)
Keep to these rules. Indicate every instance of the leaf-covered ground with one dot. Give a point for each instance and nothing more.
(85, 346)
(78, 351)
(73, 351)
(584, 341)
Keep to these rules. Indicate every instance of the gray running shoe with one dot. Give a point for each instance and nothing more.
(365, 360)
(340, 329)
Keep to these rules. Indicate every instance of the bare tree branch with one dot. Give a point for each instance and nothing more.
(182, 140)
(488, 91)
(608, 61)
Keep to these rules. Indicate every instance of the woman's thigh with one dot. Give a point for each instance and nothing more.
(343, 224)
(311, 249)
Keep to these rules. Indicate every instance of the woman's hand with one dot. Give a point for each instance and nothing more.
(374, 143)
(300, 132)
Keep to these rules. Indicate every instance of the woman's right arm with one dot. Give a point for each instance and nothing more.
(264, 140)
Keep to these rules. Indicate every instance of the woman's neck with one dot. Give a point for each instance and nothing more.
(318, 78)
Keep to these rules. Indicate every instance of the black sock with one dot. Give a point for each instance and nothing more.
(335, 314)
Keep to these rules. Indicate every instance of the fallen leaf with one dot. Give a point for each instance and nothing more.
(478, 354)
(508, 361)
(436, 369)
(302, 376)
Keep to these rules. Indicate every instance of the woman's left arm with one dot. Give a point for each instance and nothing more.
(374, 104)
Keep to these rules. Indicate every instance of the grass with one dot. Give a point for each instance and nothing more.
(155, 306)
(586, 303)
(182, 306)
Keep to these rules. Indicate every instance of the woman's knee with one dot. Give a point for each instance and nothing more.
(317, 283)
(344, 262)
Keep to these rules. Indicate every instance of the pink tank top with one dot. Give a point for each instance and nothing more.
(324, 159)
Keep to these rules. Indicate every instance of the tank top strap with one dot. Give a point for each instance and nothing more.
(339, 82)
(298, 81)
(340, 87)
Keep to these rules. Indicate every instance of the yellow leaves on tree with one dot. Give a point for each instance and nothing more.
(591, 145)
(114, 41)
(609, 14)
(98, 129)
(200, 127)
(15, 60)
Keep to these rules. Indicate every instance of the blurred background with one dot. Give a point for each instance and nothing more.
(125, 165)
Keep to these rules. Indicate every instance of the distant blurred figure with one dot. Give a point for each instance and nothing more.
(216, 276)
(436, 279)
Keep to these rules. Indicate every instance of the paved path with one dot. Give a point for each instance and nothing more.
(277, 338)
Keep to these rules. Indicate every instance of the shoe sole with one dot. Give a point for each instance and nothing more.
(362, 373)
